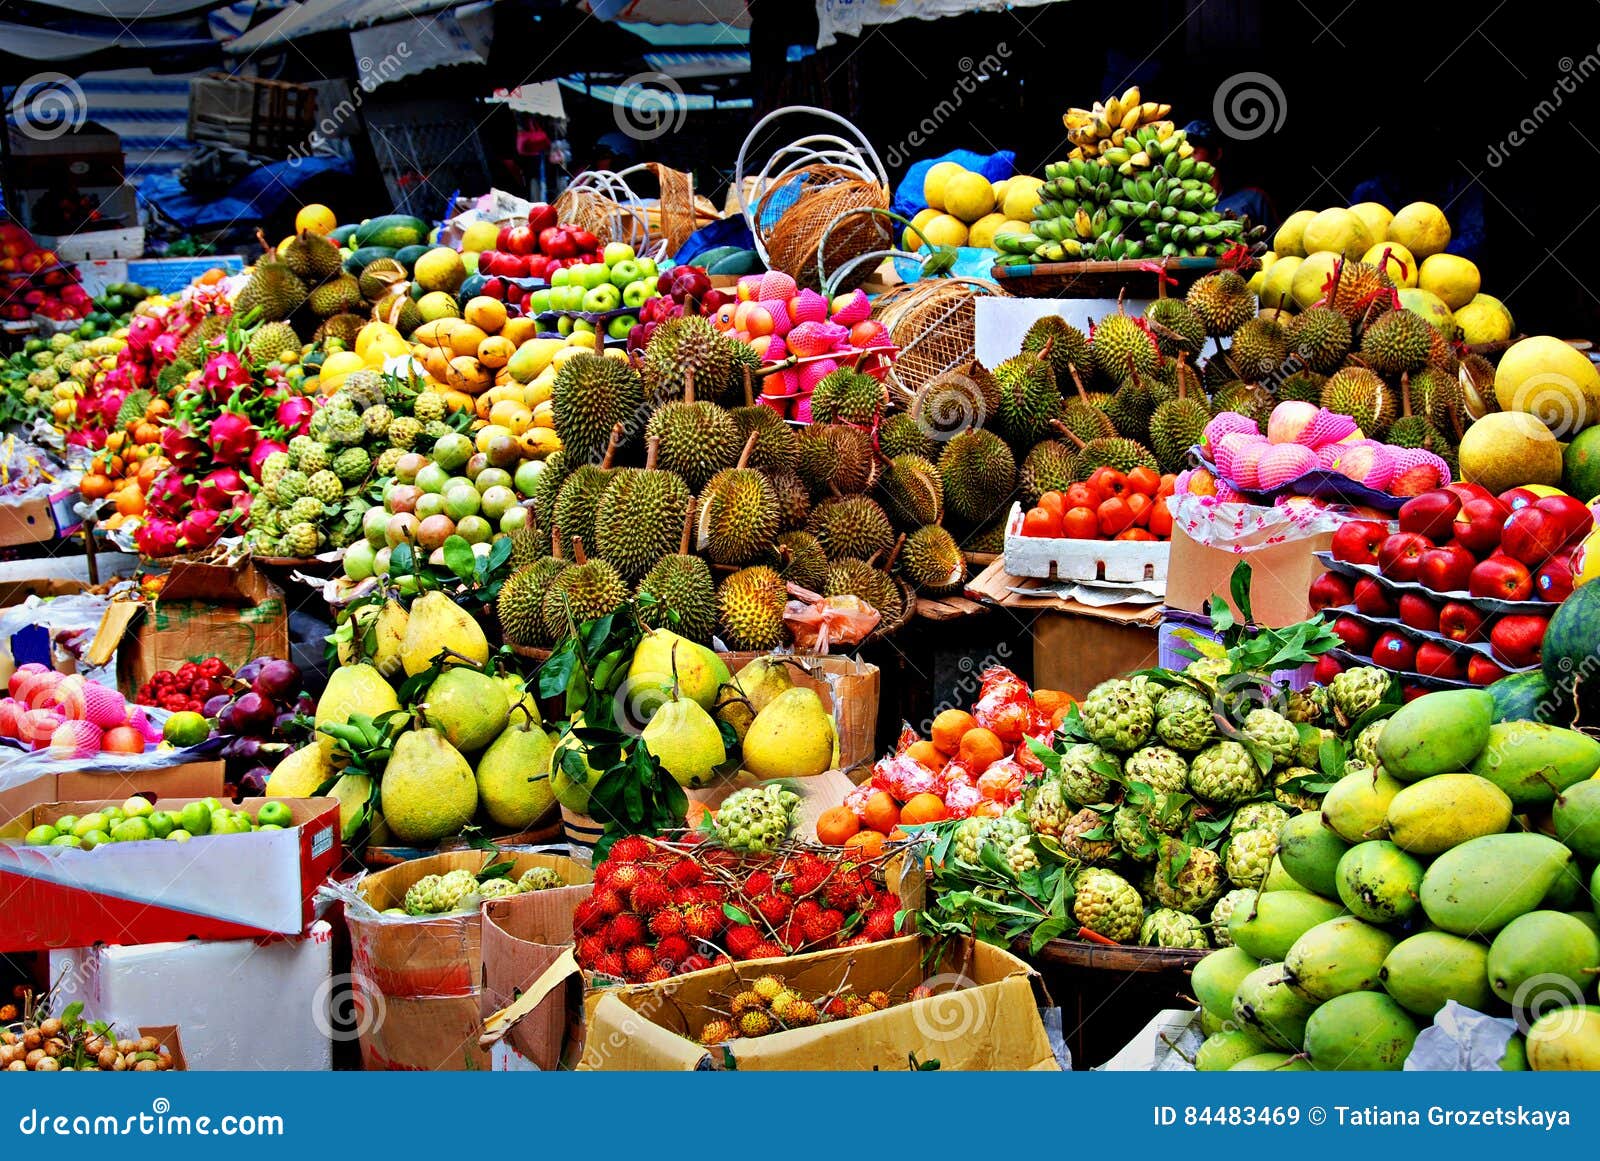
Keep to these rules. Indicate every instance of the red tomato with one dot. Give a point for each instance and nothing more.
(1139, 504)
(1053, 502)
(1161, 519)
(1081, 523)
(1135, 534)
(1109, 481)
(1115, 516)
(1143, 479)
(1041, 522)
(1083, 496)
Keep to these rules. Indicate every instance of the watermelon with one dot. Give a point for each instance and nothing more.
(1572, 650)
(1580, 465)
(1527, 697)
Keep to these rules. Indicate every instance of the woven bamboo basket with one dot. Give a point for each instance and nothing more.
(932, 324)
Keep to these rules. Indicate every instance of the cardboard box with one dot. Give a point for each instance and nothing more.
(849, 691)
(257, 1004)
(1280, 580)
(984, 1015)
(202, 779)
(90, 155)
(1074, 653)
(424, 975)
(38, 519)
(231, 886)
(204, 610)
(523, 935)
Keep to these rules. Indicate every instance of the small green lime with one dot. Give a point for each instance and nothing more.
(186, 728)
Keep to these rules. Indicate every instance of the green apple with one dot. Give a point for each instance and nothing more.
(179, 836)
(537, 302)
(211, 804)
(95, 838)
(275, 813)
(89, 822)
(41, 836)
(616, 252)
(66, 822)
(625, 272)
(563, 326)
(583, 326)
(637, 293)
(648, 267)
(195, 818)
(602, 297)
(131, 830)
(561, 277)
(161, 823)
(137, 807)
(67, 840)
(221, 822)
(269, 826)
(594, 274)
(113, 814)
(619, 327)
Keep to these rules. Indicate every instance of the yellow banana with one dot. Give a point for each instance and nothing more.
(1186, 150)
(1118, 136)
(1114, 111)
(1082, 224)
(1131, 118)
(1162, 110)
(1164, 129)
(1140, 160)
(1130, 96)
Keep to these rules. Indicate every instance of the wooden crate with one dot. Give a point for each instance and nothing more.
(261, 116)
(1101, 279)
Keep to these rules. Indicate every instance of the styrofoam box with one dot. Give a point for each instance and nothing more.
(1139, 1054)
(238, 1003)
(1062, 558)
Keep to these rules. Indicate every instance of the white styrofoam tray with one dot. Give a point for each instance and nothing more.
(1121, 561)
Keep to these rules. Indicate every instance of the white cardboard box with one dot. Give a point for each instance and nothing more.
(238, 1003)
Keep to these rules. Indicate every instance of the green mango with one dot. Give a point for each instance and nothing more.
(1360, 1032)
(1433, 815)
(1225, 1049)
(1485, 883)
(1428, 969)
(1576, 818)
(1538, 955)
(1436, 733)
(1278, 879)
(1272, 1062)
(1565, 1040)
(1216, 978)
(1516, 1054)
(1269, 929)
(1310, 851)
(1379, 882)
(1267, 1006)
(1339, 956)
(1356, 807)
(1533, 762)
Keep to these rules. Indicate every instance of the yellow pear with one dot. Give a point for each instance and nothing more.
(353, 791)
(685, 740)
(391, 636)
(698, 670)
(792, 737)
(469, 708)
(514, 775)
(438, 624)
(429, 792)
(299, 775)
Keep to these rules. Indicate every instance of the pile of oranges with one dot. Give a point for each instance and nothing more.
(127, 467)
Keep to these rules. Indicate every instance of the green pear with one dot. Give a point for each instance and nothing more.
(740, 700)
(514, 775)
(697, 670)
(469, 708)
(686, 741)
(429, 792)
(793, 737)
(436, 624)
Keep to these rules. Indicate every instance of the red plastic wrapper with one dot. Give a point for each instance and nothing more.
(905, 777)
(908, 738)
(1002, 781)
(1005, 706)
(960, 796)
(834, 621)
(856, 800)
(1027, 759)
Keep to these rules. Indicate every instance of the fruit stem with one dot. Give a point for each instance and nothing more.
(688, 529)
(1082, 394)
(688, 384)
(612, 445)
(894, 552)
(556, 542)
(578, 555)
(652, 450)
(749, 446)
(1405, 394)
(1069, 433)
(749, 390)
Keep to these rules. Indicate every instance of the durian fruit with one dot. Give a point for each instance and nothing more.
(1178, 425)
(931, 562)
(851, 526)
(1119, 453)
(1356, 288)
(1397, 343)
(578, 502)
(197, 346)
(311, 257)
(794, 500)
(521, 601)
(1222, 301)
(1029, 400)
(1301, 387)
(1365, 397)
(684, 595)
(1084, 412)
(913, 491)
(1321, 337)
(343, 326)
(1063, 345)
(698, 439)
(1130, 407)
(687, 350)
(1122, 346)
(1438, 396)
(589, 397)
(900, 435)
(1218, 373)
(528, 544)
(857, 578)
(776, 446)
(1476, 376)
(640, 517)
(379, 278)
(834, 456)
(847, 396)
(800, 559)
(1258, 349)
(1442, 354)
(1414, 429)
(957, 400)
(980, 474)
(584, 590)
(1247, 399)
(171, 377)
(1176, 328)
(273, 289)
(987, 539)
(337, 295)
(271, 340)
(1048, 467)
(547, 487)
(750, 607)
(738, 513)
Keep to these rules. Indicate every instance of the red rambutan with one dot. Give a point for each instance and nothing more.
(656, 974)
(856, 941)
(843, 890)
(587, 917)
(638, 959)
(774, 908)
(684, 896)
(589, 950)
(629, 849)
(711, 893)
(610, 964)
(759, 883)
(685, 873)
(741, 938)
(674, 950)
(609, 903)
(807, 909)
(665, 922)
(695, 963)
(879, 925)
(650, 894)
(766, 949)
(625, 877)
(702, 921)
(624, 930)
(807, 879)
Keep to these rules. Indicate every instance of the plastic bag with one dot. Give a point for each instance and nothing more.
(1242, 528)
(72, 621)
(1005, 706)
(833, 621)
(1461, 1040)
(904, 778)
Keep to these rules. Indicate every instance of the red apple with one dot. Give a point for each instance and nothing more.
(1327, 668)
(1410, 691)
(1514, 498)
(1356, 635)
(1400, 555)
(1329, 591)
(1501, 577)
(1531, 535)
(518, 240)
(1395, 651)
(1571, 515)
(1470, 491)
(1482, 671)
(1357, 542)
(1518, 638)
(1477, 526)
(1371, 597)
(1430, 514)
(1446, 569)
(1459, 621)
(1553, 582)
(1436, 660)
(1418, 612)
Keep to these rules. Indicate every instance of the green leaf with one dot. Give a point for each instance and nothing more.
(459, 557)
(73, 1012)
(495, 871)
(1239, 586)
(735, 915)
(1221, 615)
(1331, 757)
(499, 553)
(401, 559)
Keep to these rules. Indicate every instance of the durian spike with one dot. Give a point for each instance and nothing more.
(749, 446)
(688, 528)
(611, 446)
(652, 450)
(894, 552)
(578, 555)
(1068, 433)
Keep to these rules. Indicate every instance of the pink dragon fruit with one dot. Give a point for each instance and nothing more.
(224, 375)
(143, 332)
(218, 489)
(294, 414)
(110, 406)
(165, 349)
(184, 449)
(157, 537)
(199, 529)
(233, 438)
(258, 457)
(169, 496)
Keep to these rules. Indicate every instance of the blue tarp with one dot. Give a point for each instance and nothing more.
(254, 198)
(730, 231)
(908, 197)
